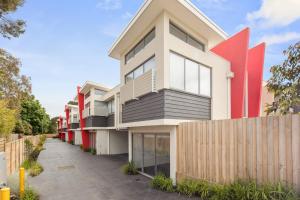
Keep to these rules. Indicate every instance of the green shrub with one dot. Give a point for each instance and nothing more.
(188, 187)
(93, 151)
(26, 164)
(161, 182)
(129, 169)
(35, 169)
(87, 150)
(81, 146)
(30, 194)
(28, 147)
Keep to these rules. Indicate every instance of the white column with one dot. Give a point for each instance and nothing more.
(129, 145)
(173, 146)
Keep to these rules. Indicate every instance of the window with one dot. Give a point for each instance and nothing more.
(140, 70)
(99, 92)
(140, 45)
(177, 32)
(189, 76)
(205, 81)
(129, 77)
(177, 71)
(111, 106)
(87, 95)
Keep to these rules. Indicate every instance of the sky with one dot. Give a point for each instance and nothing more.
(66, 42)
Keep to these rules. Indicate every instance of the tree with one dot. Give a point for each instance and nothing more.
(53, 125)
(10, 28)
(7, 119)
(285, 82)
(13, 86)
(33, 113)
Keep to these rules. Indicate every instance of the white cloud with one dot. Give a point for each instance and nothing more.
(275, 13)
(109, 4)
(280, 38)
(127, 15)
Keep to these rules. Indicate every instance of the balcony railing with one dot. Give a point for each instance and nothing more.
(140, 86)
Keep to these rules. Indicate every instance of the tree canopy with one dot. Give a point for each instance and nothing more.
(8, 27)
(285, 82)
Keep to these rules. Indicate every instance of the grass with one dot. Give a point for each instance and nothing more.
(161, 182)
(30, 194)
(244, 190)
(129, 169)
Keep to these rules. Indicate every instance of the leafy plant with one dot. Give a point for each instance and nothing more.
(7, 116)
(28, 147)
(87, 150)
(161, 182)
(26, 164)
(93, 151)
(35, 169)
(188, 187)
(30, 194)
(129, 168)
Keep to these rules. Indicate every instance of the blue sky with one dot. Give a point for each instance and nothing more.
(66, 42)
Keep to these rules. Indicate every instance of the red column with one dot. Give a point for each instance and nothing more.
(235, 50)
(67, 111)
(61, 124)
(84, 134)
(255, 76)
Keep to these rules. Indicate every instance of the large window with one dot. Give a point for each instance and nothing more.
(140, 45)
(111, 106)
(140, 70)
(151, 153)
(177, 32)
(189, 76)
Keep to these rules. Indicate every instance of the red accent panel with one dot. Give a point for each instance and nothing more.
(67, 111)
(256, 57)
(84, 134)
(235, 50)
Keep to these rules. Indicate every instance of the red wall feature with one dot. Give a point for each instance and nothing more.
(70, 135)
(256, 57)
(84, 134)
(235, 50)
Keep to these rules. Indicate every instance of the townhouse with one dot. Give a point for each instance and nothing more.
(72, 118)
(99, 116)
(176, 65)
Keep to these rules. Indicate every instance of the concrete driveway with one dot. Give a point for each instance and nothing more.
(71, 174)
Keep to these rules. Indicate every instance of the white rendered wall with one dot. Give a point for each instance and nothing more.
(118, 142)
(78, 138)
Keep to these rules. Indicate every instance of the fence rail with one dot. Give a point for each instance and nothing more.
(15, 153)
(265, 149)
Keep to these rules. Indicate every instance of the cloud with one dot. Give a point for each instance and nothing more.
(109, 4)
(280, 38)
(275, 13)
(127, 15)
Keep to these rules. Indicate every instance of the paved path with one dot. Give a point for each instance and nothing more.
(72, 174)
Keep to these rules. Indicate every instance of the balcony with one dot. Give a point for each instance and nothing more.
(138, 87)
(86, 112)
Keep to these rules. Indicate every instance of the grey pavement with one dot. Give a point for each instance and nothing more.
(71, 174)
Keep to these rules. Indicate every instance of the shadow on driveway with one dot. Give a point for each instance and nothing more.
(71, 174)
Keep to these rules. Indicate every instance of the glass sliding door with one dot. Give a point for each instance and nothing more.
(137, 150)
(163, 154)
(149, 154)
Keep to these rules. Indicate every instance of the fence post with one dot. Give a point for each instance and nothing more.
(5, 194)
(22, 181)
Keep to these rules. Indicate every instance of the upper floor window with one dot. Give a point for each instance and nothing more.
(177, 32)
(99, 92)
(189, 76)
(140, 45)
(140, 70)
(111, 106)
(87, 95)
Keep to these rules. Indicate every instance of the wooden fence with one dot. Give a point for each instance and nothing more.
(265, 149)
(15, 153)
(2, 144)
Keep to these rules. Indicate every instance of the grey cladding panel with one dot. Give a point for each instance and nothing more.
(111, 120)
(96, 121)
(168, 104)
(74, 125)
